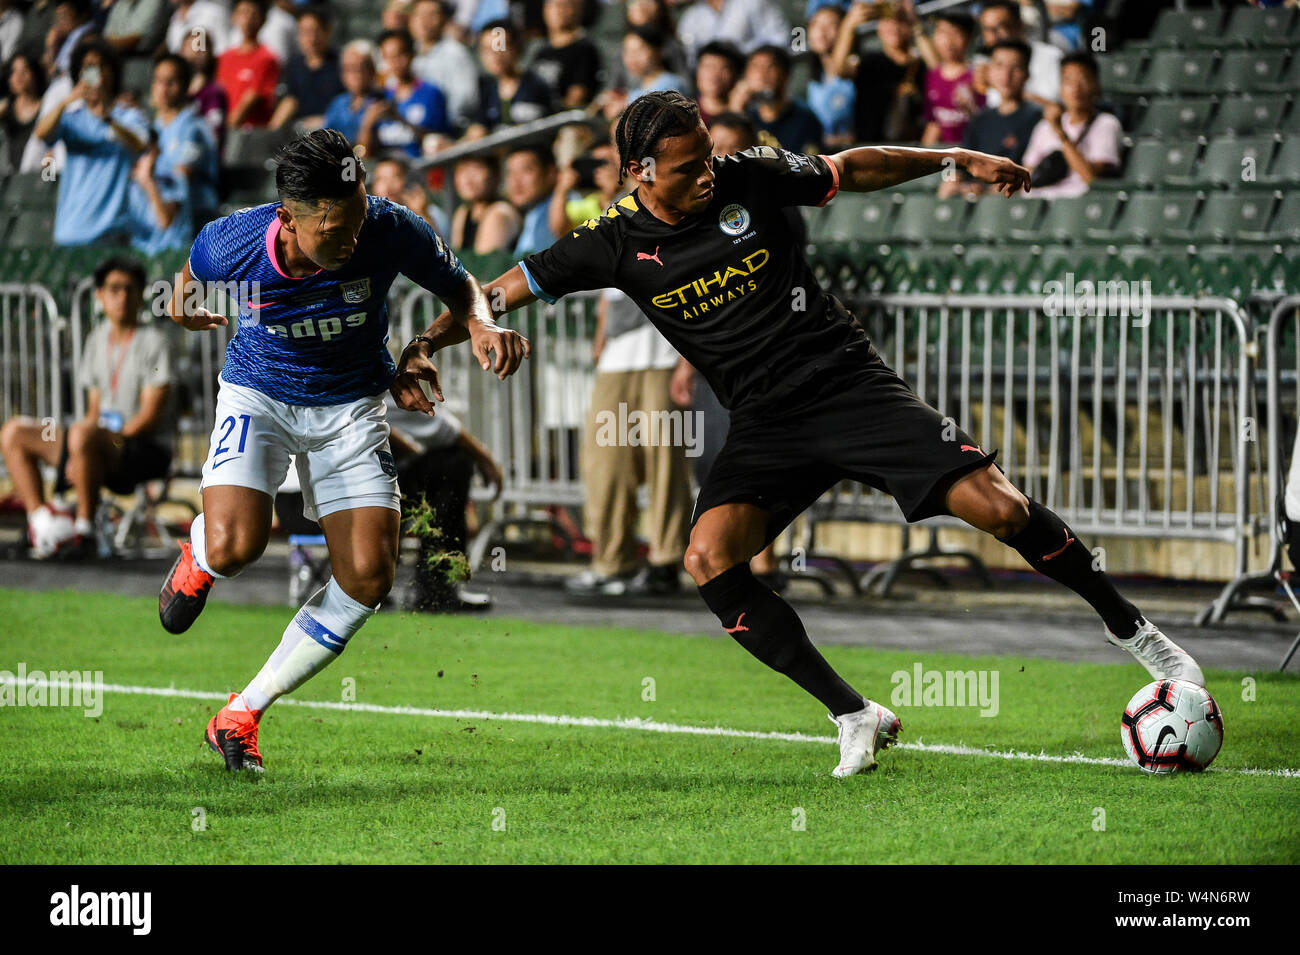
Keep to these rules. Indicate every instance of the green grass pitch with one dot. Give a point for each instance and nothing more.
(135, 785)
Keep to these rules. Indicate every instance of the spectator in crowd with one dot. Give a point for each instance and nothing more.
(643, 58)
(24, 86)
(312, 77)
(205, 92)
(248, 72)
(391, 179)
(950, 95)
(412, 109)
(763, 95)
(889, 82)
(1000, 20)
(198, 21)
(831, 97)
(347, 110)
(396, 15)
(584, 189)
(748, 24)
(443, 61)
(136, 26)
(102, 139)
(568, 61)
(11, 29)
(718, 68)
(655, 15)
(471, 17)
(437, 457)
(278, 32)
(73, 19)
(1065, 19)
(483, 221)
(37, 21)
(1088, 142)
(506, 94)
(530, 178)
(176, 179)
(124, 438)
(1001, 130)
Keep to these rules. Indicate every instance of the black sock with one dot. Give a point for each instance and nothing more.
(768, 627)
(1051, 548)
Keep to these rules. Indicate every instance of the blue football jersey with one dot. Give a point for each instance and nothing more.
(318, 340)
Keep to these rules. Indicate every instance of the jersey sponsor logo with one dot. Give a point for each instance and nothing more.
(322, 328)
(765, 152)
(713, 291)
(734, 219)
(358, 291)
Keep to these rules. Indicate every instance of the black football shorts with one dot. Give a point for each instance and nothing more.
(863, 424)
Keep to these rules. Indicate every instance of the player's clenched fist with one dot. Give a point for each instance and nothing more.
(415, 366)
(509, 347)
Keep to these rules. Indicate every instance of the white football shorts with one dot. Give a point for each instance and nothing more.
(342, 451)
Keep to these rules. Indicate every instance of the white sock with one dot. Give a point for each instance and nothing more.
(315, 636)
(199, 547)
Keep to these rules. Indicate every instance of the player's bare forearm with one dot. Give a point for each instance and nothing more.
(503, 294)
(868, 168)
(185, 306)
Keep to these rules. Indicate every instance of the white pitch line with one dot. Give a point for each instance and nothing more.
(636, 723)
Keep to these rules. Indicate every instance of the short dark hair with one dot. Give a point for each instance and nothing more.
(1084, 59)
(651, 36)
(313, 168)
(737, 121)
(505, 26)
(318, 10)
(33, 64)
(1010, 6)
(728, 51)
(539, 151)
(85, 9)
(402, 35)
(960, 19)
(120, 263)
(263, 6)
(778, 53)
(1019, 46)
(93, 43)
(183, 68)
(650, 118)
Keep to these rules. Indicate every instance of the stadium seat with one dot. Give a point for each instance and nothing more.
(1156, 217)
(1235, 162)
(1288, 81)
(137, 74)
(1285, 169)
(1248, 71)
(31, 191)
(851, 216)
(1075, 219)
(924, 218)
(1234, 216)
(1179, 71)
(1249, 26)
(1122, 71)
(1243, 115)
(1174, 117)
(1179, 28)
(254, 147)
(1152, 162)
(1285, 226)
(998, 219)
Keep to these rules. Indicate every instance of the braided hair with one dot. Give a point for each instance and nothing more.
(650, 118)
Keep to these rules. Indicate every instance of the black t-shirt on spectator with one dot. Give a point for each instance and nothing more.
(797, 128)
(877, 82)
(990, 131)
(533, 99)
(313, 89)
(561, 67)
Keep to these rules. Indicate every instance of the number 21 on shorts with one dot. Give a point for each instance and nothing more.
(229, 424)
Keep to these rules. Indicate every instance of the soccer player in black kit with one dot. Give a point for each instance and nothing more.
(702, 247)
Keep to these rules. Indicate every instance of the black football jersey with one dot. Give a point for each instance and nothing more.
(729, 288)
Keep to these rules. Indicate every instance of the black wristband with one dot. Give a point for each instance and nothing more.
(423, 338)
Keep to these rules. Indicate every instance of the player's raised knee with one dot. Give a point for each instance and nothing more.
(705, 560)
(1010, 513)
(368, 582)
(230, 548)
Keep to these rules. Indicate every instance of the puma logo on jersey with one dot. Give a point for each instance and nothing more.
(970, 447)
(647, 257)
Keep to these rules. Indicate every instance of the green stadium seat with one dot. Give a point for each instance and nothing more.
(1249, 26)
(33, 229)
(1288, 81)
(1286, 164)
(137, 74)
(1235, 216)
(30, 191)
(998, 219)
(1249, 71)
(1187, 28)
(1152, 162)
(925, 218)
(1122, 71)
(1291, 121)
(1079, 218)
(1285, 226)
(851, 216)
(1227, 162)
(1156, 217)
(1179, 71)
(1242, 115)
(1174, 117)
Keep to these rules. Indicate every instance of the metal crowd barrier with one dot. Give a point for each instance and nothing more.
(36, 380)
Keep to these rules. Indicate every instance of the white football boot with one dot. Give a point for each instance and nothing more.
(1164, 659)
(861, 734)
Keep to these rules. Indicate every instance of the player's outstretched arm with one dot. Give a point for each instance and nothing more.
(868, 168)
(470, 314)
(184, 308)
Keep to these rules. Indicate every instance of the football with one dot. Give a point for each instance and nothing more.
(1171, 725)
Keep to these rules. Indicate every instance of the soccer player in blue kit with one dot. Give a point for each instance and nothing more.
(305, 375)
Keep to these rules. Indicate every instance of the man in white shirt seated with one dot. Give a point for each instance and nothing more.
(1090, 141)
